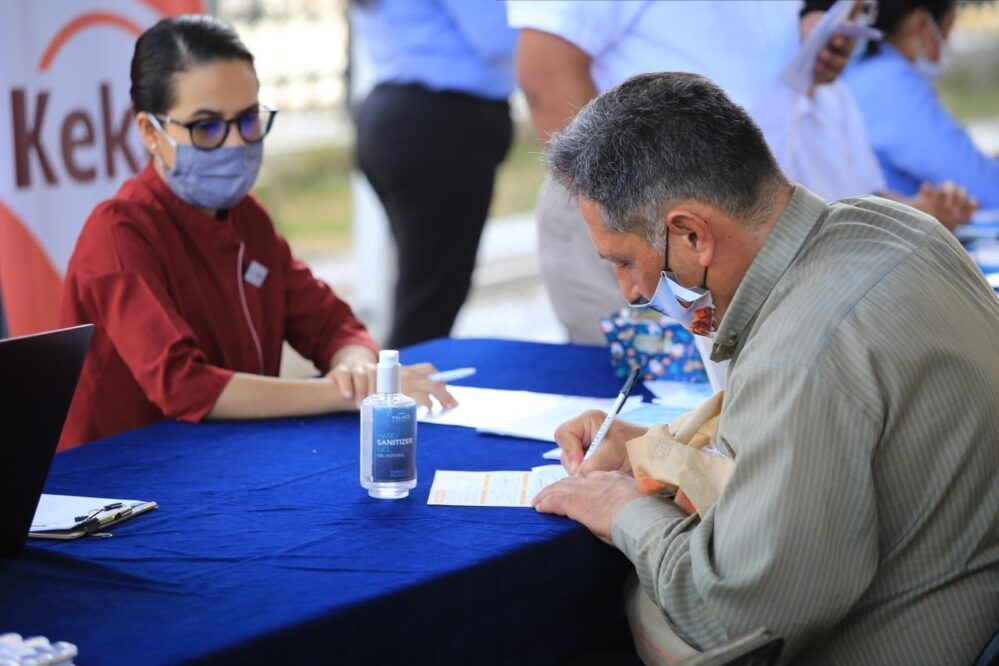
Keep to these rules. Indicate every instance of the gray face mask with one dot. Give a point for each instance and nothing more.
(691, 307)
(213, 179)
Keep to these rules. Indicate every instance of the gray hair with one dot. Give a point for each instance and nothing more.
(657, 140)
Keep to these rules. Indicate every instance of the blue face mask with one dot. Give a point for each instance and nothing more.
(213, 179)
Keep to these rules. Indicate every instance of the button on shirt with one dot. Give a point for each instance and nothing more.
(165, 286)
(914, 137)
(859, 522)
(455, 45)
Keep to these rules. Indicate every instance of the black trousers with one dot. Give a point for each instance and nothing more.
(431, 157)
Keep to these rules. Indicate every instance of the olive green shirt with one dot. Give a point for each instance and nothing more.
(862, 412)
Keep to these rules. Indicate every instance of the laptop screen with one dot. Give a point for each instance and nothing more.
(38, 375)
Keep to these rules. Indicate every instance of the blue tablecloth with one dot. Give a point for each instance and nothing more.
(266, 549)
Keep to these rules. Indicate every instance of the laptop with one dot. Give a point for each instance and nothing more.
(38, 375)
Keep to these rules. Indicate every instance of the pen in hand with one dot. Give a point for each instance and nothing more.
(451, 375)
(618, 403)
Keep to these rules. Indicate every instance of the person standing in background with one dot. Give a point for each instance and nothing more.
(917, 141)
(430, 137)
(568, 52)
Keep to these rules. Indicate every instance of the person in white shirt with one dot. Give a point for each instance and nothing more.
(569, 52)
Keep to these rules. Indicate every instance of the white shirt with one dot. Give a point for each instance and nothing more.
(821, 141)
(741, 46)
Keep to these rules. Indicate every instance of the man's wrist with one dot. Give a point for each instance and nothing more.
(637, 517)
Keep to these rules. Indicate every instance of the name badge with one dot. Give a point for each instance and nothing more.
(255, 273)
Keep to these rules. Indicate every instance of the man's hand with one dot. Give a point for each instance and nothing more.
(592, 500)
(949, 203)
(416, 383)
(834, 56)
(574, 437)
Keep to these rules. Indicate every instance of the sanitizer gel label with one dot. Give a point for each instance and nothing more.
(393, 454)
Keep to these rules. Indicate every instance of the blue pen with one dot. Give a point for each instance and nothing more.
(618, 404)
(452, 375)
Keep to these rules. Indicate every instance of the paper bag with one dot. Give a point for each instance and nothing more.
(673, 458)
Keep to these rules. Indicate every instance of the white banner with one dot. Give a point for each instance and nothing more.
(67, 137)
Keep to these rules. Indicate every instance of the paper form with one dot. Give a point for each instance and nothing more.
(504, 488)
(542, 426)
(516, 413)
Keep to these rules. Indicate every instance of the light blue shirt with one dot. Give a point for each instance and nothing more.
(914, 137)
(458, 45)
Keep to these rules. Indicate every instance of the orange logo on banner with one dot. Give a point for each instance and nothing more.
(31, 283)
(81, 23)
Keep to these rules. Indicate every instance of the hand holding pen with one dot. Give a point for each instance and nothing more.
(586, 432)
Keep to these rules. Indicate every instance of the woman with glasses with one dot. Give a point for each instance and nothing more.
(191, 289)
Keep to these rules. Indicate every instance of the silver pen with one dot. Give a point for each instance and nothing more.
(618, 403)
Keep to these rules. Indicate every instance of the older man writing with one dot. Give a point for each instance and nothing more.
(859, 521)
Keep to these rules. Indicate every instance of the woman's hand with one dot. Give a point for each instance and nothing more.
(354, 378)
(416, 383)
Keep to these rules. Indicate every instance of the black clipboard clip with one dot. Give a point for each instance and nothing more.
(98, 518)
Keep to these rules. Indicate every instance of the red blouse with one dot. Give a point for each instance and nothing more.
(181, 301)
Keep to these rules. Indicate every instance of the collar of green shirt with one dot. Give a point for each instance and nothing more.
(785, 241)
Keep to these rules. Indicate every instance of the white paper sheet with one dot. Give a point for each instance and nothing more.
(59, 512)
(679, 394)
(504, 488)
(985, 252)
(517, 413)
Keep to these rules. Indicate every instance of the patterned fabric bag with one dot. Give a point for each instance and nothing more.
(660, 347)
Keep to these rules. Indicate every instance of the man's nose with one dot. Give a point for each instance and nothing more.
(629, 288)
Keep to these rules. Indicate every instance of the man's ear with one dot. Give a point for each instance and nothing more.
(689, 225)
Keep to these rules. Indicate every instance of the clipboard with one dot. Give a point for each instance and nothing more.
(66, 517)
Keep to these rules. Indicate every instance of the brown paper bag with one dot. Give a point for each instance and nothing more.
(671, 458)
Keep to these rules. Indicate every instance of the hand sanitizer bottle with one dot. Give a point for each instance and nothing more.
(388, 434)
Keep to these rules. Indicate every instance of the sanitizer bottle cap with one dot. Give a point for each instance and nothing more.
(389, 379)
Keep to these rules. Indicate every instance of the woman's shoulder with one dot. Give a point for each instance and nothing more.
(131, 207)
(132, 216)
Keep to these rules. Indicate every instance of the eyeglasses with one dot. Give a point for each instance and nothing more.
(210, 133)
